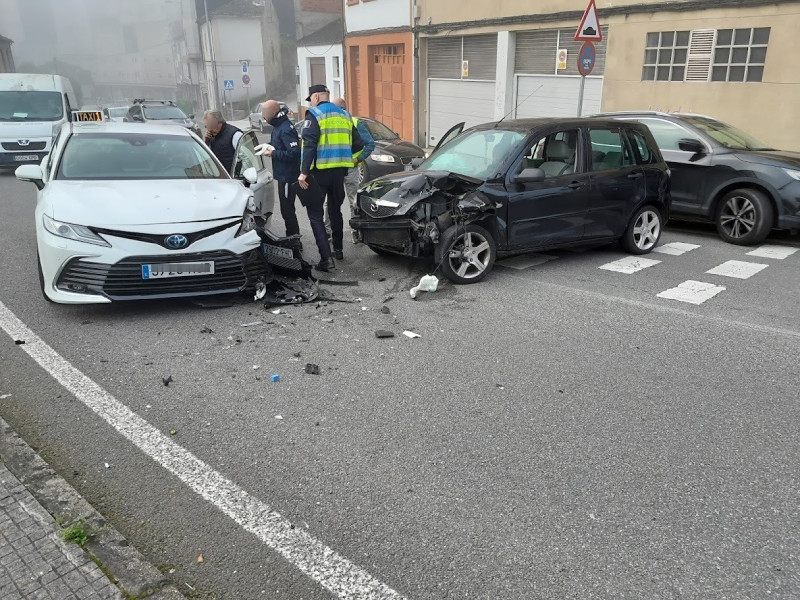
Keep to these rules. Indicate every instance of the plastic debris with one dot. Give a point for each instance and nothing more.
(277, 311)
(278, 418)
(327, 320)
(206, 329)
(275, 378)
(383, 333)
(253, 324)
(296, 354)
(428, 283)
(385, 300)
(500, 386)
(19, 342)
(411, 334)
(173, 431)
(313, 369)
(256, 367)
(108, 466)
(261, 291)
(167, 380)
(200, 559)
(364, 308)
(385, 310)
(4, 396)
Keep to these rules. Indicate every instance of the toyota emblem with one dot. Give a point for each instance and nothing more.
(176, 241)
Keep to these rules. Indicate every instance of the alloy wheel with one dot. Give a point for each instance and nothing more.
(470, 255)
(738, 217)
(646, 230)
(361, 174)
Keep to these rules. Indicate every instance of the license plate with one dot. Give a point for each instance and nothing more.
(188, 269)
(25, 157)
(278, 251)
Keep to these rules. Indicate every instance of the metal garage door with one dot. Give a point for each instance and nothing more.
(555, 96)
(461, 87)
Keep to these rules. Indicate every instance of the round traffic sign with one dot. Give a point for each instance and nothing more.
(246, 79)
(586, 58)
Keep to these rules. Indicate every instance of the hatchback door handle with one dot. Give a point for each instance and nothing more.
(635, 176)
(576, 185)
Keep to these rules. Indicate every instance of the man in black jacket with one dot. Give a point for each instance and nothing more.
(284, 149)
(221, 137)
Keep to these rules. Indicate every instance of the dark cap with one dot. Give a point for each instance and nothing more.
(315, 89)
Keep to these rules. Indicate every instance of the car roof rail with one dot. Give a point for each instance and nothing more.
(618, 113)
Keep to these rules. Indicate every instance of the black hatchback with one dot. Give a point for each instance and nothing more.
(517, 186)
(724, 175)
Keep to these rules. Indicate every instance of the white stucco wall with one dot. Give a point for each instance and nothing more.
(377, 14)
(235, 39)
(328, 52)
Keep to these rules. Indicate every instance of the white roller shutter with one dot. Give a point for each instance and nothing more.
(453, 101)
(556, 96)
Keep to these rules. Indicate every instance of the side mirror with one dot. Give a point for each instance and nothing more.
(692, 145)
(191, 116)
(416, 162)
(529, 176)
(138, 118)
(32, 174)
(250, 175)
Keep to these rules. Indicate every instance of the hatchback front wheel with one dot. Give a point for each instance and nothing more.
(468, 253)
(643, 232)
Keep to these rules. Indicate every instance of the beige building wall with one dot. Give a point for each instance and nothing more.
(766, 110)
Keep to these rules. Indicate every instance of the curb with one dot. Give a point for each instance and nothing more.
(124, 565)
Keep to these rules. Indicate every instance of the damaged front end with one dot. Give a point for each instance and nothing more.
(408, 213)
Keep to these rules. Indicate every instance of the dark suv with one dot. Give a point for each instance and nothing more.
(723, 174)
(144, 111)
(515, 186)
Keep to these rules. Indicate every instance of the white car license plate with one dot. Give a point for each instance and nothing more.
(278, 251)
(25, 157)
(188, 269)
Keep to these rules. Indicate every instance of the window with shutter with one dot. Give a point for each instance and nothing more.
(701, 51)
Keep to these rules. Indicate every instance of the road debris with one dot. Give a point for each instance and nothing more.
(173, 431)
(167, 380)
(383, 333)
(385, 310)
(313, 369)
(108, 466)
(411, 334)
(276, 312)
(261, 291)
(19, 342)
(278, 418)
(275, 378)
(4, 396)
(296, 354)
(200, 559)
(387, 299)
(428, 283)
(253, 324)
(500, 386)
(206, 329)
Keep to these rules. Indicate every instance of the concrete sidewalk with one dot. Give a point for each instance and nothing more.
(35, 560)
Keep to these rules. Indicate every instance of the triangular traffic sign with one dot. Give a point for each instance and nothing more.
(589, 29)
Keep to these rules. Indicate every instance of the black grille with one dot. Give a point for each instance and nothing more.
(123, 280)
(17, 147)
(365, 203)
(386, 237)
(160, 239)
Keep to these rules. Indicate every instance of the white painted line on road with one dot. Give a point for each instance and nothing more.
(675, 248)
(629, 264)
(693, 292)
(737, 269)
(322, 564)
(526, 261)
(773, 251)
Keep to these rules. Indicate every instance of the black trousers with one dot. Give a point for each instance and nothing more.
(331, 183)
(286, 196)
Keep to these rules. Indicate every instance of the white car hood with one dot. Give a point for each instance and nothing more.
(130, 203)
(15, 130)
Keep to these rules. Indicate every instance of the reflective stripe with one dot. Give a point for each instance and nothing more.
(334, 148)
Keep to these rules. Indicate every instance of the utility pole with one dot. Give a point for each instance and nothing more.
(213, 57)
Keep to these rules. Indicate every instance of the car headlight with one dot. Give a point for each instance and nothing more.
(426, 155)
(793, 174)
(382, 158)
(70, 231)
(248, 218)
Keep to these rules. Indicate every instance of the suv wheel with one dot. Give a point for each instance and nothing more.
(468, 253)
(643, 232)
(744, 217)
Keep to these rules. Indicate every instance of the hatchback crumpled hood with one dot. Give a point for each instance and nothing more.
(775, 158)
(153, 202)
(400, 148)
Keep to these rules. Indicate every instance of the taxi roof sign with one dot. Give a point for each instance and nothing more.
(87, 116)
(589, 29)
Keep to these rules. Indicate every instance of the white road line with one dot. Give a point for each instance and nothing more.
(629, 264)
(526, 261)
(737, 269)
(322, 564)
(773, 251)
(692, 292)
(675, 248)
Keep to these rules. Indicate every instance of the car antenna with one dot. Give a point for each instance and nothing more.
(520, 103)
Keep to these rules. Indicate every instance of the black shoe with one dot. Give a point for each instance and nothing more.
(338, 255)
(326, 264)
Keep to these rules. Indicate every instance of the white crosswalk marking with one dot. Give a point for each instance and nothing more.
(737, 269)
(692, 292)
(675, 248)
(773, 251)
(629, 264)
(526, 261)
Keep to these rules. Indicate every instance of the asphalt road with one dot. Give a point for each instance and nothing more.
(558, 431)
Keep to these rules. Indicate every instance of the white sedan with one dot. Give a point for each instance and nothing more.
(126, 212)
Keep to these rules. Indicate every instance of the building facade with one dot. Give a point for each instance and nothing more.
(6, 58)
(380, 56)
(320, 60)
(730, 59)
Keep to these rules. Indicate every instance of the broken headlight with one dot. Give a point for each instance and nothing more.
(248, 218)
(79, 233)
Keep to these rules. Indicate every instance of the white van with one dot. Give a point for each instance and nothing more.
(32, 110)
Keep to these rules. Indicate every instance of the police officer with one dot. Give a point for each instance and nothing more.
(284, 149)
(329, 142)
(221, 137)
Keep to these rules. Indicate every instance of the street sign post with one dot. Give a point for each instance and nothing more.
(228, 83)
(589, 32)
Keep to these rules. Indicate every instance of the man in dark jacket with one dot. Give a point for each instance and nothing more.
(284, 149)
(221, 137)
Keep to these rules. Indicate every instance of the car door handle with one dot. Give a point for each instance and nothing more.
(634, 176)
(576, 185)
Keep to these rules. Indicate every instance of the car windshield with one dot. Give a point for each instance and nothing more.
(118, 156)
(31, 106)
(117, 112)
(379, 131)
(160, 113)
(726, 135)
(476, 154)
